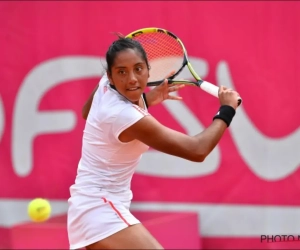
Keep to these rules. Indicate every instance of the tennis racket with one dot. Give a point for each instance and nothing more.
(166, 52)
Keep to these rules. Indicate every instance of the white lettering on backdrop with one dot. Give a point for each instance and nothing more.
(269, 159)
(28, 122)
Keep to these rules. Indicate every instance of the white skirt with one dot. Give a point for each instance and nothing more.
(92, 218)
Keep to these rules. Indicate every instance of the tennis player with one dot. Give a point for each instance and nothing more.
(118, 131)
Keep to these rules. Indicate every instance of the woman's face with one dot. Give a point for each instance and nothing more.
(129, 74)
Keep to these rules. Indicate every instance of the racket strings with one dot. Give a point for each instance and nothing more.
(164, 53)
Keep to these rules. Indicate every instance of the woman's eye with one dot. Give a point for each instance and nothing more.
(139, 69)
(122, 72)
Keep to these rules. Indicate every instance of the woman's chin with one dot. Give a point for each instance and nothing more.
(134, 96)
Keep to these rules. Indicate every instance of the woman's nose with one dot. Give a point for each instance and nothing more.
(132, 78)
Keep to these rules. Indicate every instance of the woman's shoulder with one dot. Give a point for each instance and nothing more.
(113, 103)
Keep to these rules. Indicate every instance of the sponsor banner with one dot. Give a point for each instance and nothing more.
(53, 55)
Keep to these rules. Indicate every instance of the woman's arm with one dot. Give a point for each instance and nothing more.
(87, 106)
(194, 148)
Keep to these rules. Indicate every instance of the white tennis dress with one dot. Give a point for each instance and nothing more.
(101, 196)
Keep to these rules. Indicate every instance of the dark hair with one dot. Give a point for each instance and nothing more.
(122, 44)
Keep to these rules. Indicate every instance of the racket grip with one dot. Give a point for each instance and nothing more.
(213, 90)
(210, 88)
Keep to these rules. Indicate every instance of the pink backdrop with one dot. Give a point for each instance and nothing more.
(51, 55)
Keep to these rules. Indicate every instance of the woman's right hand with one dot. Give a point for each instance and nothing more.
(228, 97)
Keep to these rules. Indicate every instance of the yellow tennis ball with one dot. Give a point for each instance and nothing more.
(39, 210)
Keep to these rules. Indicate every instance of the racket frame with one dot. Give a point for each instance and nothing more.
(206, 86)
(185, 61)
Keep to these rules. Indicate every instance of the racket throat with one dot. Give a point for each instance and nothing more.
(178, 72)
(199, 82)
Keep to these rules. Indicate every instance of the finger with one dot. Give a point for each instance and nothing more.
(176, 84)
(172, 97)
(170, 74)
(165, 83)
(176, 87)
(172, 89)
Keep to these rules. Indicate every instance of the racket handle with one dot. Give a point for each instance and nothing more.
(213, 90)
(210, 88)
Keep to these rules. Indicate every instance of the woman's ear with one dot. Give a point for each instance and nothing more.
(109, 78)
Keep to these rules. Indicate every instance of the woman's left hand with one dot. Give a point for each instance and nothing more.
(162, 92)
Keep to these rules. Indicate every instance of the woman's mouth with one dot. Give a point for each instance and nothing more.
(133, 88)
